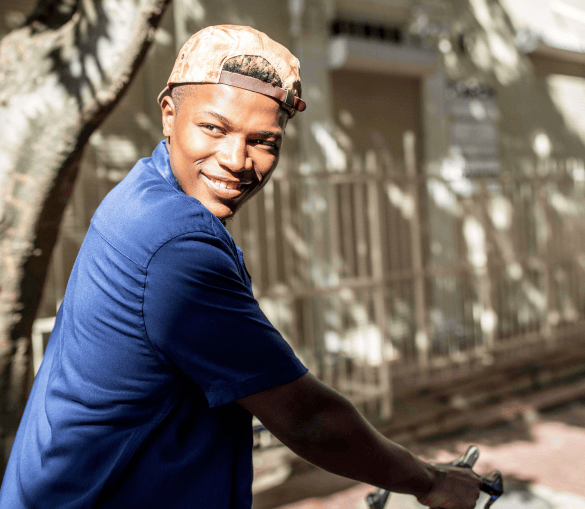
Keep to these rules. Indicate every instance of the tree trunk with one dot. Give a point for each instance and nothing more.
(60, 75)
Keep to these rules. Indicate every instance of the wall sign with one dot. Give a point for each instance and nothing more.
(473, 135)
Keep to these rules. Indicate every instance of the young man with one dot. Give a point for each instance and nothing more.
(160, 354)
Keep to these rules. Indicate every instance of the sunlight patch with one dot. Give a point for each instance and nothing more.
(568, 95)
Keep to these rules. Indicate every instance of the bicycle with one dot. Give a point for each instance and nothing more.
(493, 487)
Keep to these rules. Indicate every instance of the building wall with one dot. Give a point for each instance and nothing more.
(375, 110)
(427, 212)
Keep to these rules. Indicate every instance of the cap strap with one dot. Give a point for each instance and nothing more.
(284, 95)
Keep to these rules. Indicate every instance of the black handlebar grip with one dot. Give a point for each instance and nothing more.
(377, 500)
(494, 487)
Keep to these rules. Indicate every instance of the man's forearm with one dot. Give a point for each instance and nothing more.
(338, 439)
(323, 427)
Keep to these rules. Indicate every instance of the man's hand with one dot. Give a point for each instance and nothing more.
(453, 488)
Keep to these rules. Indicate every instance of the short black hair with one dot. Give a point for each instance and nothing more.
(254, 66)
(248, 65)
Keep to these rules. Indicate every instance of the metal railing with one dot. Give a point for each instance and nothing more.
(379, 273)
(417, 274)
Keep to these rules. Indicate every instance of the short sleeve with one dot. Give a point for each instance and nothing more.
(202, 317)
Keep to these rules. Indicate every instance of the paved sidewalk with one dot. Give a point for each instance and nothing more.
(542, 460)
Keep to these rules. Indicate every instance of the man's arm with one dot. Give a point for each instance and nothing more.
(323, 427)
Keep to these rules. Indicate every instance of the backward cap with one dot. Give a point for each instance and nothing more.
(202, 57)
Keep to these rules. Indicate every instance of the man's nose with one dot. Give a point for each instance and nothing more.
(233, 154)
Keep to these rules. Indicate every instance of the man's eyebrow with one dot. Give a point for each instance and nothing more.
(221, 118)
(269, 134)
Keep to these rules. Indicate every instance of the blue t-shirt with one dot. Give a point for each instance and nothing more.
(158, 335)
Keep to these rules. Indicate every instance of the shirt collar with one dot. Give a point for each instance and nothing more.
(160, 158)
(162, 163)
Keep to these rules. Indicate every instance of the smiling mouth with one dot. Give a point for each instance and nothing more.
(225, 188)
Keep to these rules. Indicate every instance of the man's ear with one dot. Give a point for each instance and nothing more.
(169, 115)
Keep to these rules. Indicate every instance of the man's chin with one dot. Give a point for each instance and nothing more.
(221, 211)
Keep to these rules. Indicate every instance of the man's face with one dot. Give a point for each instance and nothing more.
(223, 144)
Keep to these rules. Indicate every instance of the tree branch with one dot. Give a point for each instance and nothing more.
(58, 81)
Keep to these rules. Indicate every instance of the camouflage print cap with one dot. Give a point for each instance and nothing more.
(203, 56)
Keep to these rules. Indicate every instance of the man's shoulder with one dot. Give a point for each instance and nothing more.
(145, 211)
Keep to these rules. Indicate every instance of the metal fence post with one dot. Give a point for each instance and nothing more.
(418, 269)
(376, 256)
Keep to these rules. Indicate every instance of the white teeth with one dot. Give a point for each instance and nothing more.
(224, 184)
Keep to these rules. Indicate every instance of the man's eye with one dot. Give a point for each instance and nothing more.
(212, 128)
(268, 143)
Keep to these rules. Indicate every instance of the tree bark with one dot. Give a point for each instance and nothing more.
(60, 75)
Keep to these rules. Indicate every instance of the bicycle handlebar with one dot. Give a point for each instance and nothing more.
(493, 487)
